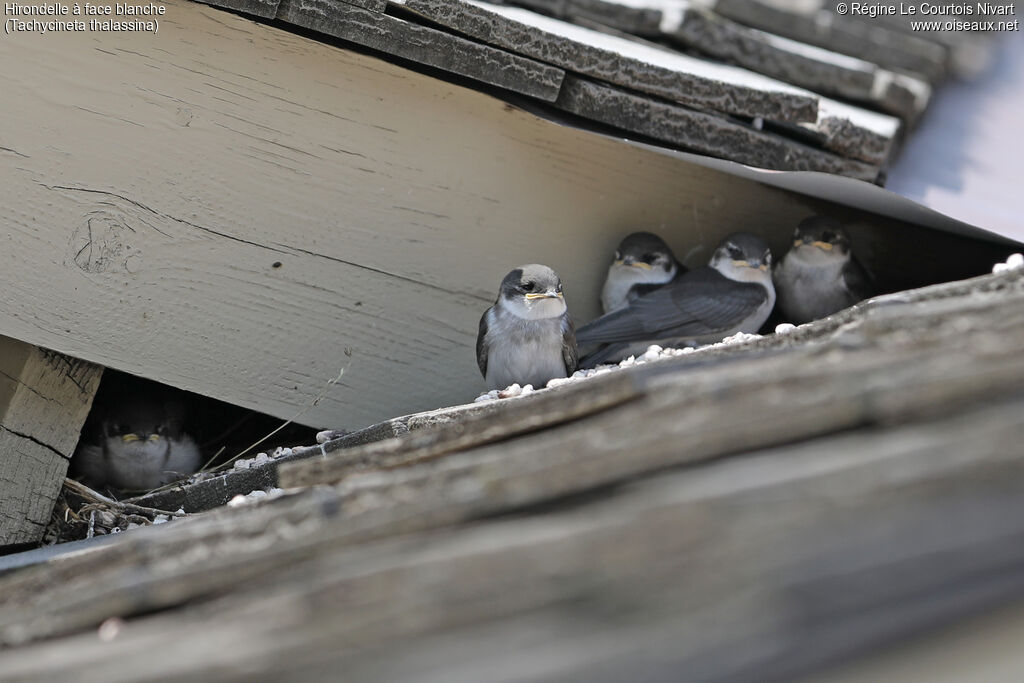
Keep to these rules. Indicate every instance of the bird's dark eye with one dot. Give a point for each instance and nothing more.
(736, 253)
(648, 258)
(828, 236)
(528, 286)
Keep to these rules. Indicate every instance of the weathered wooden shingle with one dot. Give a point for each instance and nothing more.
(696, 27)
(665, 73)
(424, 45)
(811, 23)
(700, 132)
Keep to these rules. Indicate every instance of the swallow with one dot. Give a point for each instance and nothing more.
(733, 293)
(642, 263)
(139, 445)
(819, 275)
(527, 336)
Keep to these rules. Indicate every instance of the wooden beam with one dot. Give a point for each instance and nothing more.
(44, 400)
(227, 216)
(797, 557)
(893, 369)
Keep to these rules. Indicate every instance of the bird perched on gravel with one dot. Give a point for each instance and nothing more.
(527, 336)
(733, 293)
(138, 444)
(819, 275)
(642, 263)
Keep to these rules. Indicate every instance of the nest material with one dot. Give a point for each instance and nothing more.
(82, 513)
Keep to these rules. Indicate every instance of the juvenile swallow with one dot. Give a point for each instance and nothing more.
(527, 336)
(733, 293)
(643, 262)
(139, 446)
(819, 275)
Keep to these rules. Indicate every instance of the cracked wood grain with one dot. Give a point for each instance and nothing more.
(182, 220)
(44, 400)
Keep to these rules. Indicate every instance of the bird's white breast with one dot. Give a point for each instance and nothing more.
(811, 285)
(523, 351)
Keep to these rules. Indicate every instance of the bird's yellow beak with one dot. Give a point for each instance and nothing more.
(129, 438)
(154, 437)
(543, 295)
(827, 246)
(633, 264)
(748, 264)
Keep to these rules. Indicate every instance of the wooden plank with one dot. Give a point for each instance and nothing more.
(969, 53)
(809, 67)
(848, 130)
(697, 83)
(430, 434)
(811, 23)
(701, 132)
(696, 27)
(391, 239)
(759, 555)
(885, 378)
(424, 45)
(693, 387)
(501, 421)
(44, 400)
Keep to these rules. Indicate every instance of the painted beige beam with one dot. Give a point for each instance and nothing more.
(226, 207)
(44, 400)
(150, 190)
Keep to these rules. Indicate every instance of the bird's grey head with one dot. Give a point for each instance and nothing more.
(743, 257)
(646, 253)
(142, 426)
(823, 237)
(532, 292)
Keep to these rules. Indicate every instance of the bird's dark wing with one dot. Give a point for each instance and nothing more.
(702, 302)
(481, 344)
(857, 280)
(570, 352)
(642, 289)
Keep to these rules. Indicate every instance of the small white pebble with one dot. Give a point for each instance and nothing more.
(784, 328)
(109, 629)
(1012, 261)
(253, 496)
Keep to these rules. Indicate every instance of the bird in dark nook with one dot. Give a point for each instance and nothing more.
(138, 444)
(642, 263)
(819, 275)
(527, 336)
(733, 293)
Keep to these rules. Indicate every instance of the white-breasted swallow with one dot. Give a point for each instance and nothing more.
(819, 275)
(642, 263)
(733, 293)
(139, 445)
(527, 336)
